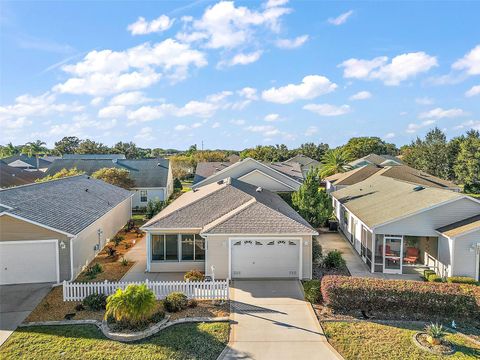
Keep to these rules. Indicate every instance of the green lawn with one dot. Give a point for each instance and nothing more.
(366, 340)
(186, 341)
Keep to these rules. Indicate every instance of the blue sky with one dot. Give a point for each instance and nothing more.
(237, 74)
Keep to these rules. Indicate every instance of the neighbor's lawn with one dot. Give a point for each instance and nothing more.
(366, 340)
(186, 341)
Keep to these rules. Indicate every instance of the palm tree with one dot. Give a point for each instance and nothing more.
(334, 161)
(11, 149)
(35, 148)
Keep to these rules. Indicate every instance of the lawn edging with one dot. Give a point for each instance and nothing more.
(129, 337)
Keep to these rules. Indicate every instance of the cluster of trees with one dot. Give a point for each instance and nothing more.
(456, 160)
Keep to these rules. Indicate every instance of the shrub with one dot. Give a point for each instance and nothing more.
(175, 301)
(111, 251)
(117, 239)
(462, 280)
(434, 278)
(133, 306)
(95, 302)
(334, 260)
(427, 273)
(344, 293)
(124, 261)
(154, 207)
(177, 185)
(316, 252)
(194, 275)
(435, 333)
(93, 271)
(192, 303)
(312, 291)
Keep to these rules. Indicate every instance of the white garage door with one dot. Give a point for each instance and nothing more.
(28, 261)
(265, 258)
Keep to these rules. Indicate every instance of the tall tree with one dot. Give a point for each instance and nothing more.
(335, 161)
(9, 150)
(35, 148)
(312, 150)
(68, 145)
(359, 147)
(115, 176)
(467, 166)
(130, 150)
(92, 147)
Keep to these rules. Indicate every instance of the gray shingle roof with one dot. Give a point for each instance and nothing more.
(68, 204)
(145, 172)
(93, 156)
(375, 159)
(293, 169)
(460, 227)
(231, 206)
(206, 169)
(12, 176)
(30, 160)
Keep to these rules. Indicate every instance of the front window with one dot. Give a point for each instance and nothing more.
(178, 247)
(143, 195)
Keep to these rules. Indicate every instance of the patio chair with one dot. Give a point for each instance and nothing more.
(388, 250)
(412, 255)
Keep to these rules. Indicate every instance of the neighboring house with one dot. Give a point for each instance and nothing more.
(93, 156)
(306, 163)
(399, 172)
(277, 177)
(50, 231)
(396, 225)
(11, 176)
(208, 168)
(25, 162)
(374, 159)
(153, 177)
(230, 229)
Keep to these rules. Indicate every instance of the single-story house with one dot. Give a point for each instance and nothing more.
(374, 159)
(22, 161)
(396, 226)
(230, 229)
(306, 163)
(11, 176)
(400, 172)
(50, 231)
(153, 177)
(206, 169)
(277, 177)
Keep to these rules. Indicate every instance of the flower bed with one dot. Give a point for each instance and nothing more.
(401, 296)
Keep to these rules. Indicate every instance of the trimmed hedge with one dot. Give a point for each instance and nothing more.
(311, 288)
(462, 280)
(344, 293)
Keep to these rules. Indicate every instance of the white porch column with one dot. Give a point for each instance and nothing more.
(149, 250)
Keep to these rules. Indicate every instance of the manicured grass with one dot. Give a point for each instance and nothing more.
(367, 340)
(186, 341)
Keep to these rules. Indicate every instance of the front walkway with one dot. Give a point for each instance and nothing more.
(137, 273)
(336, 241)
(270, 320)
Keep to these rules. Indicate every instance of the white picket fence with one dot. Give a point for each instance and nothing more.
(200, 290)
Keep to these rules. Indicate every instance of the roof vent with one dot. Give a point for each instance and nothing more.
(259, 189)
(86, 190)
(220, 182)
(158, 164)
(418, 188)
(195, 190)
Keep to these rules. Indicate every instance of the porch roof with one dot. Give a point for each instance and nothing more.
(460, 227)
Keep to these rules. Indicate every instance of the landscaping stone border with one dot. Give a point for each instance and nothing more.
(129, 337)
(424, 348)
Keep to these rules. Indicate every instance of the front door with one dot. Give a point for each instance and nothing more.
(392, 254)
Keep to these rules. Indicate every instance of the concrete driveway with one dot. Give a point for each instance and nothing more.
(272, 321)
(16, 302)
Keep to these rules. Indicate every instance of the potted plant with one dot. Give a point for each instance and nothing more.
(435, 333)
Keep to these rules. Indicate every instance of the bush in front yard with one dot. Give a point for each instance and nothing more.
(334, 260)
(193, 275)
(401, 297)
(312, 291)
(316, 252)
(462, 280)
(175, 301)
(434, 278)
(95, 302)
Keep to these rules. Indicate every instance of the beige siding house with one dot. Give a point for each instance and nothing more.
(397, 226)
(49, 231)
(230, 229)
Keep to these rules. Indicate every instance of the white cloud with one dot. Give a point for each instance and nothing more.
(439, 113)
(275, 3)
(424, 101)
(470, 62)
(292, 43)
(242, 59)
(249, 93)
(143, 27)
(112, 111)
(145, 134)
(312, 130)
(96, 101)
(272, 117)
(219, 97)
(215, 125)
(149, 113)
(181, 127)
(475, 90)
(361, 95)
(413, 128)
(311, 87)
(238, 122)
(400, 68)
(341, 19)
(389, 135)
(196, 108)
(471, 124)
(328, 109)
(107, 72)
(129, 98)
(265, 130)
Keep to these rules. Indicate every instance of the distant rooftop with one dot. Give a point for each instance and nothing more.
(93, 156)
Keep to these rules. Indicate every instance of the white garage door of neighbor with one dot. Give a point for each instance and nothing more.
(28, 262)
(265, 258)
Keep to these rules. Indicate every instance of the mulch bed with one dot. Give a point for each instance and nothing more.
(205, 308)
(444, 348)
